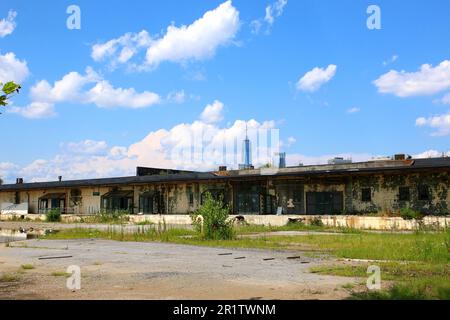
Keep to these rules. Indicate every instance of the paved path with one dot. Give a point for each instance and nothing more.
(130, 270)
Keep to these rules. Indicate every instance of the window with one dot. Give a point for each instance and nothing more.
(423, 193)
(191, 199)
(404, 194)
(17, 198)
(366, 195)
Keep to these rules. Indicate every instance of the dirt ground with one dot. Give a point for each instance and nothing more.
(130, 270)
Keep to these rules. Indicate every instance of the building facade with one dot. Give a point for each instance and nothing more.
(363, 188)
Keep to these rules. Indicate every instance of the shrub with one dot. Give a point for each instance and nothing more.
(316, 222)
(216, 225)
(409, 214)
(53, 215)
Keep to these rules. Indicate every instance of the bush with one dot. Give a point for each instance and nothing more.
(316, 222)
(216, 225)
(409, 214)
(53, 215)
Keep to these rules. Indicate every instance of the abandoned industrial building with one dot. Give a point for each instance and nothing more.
(339, 187)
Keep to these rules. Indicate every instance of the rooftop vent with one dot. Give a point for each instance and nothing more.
(19, 181)
(402, 156)
(59, 178)
(222, 168)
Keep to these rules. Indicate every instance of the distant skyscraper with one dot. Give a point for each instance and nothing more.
(246, 152)
(282, 163)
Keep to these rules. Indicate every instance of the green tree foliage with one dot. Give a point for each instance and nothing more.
(216, 225)
(7, 91)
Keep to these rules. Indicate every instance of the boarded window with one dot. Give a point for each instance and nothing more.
(366, 195)
(404, 194)
(423, 193)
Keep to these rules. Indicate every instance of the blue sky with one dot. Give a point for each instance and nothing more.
(364, 92)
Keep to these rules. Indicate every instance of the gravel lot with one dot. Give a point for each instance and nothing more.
(130, 270)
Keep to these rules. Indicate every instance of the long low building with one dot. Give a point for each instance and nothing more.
(379, 186)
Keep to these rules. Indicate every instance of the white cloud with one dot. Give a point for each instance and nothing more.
(444, 100)
(12, 69)
(314, 79)
(8, 24)
(177, 96)
(89, 88)
(440, 123)
(68, 89)
(431, 154)
(288, 143)
(391, 60)
(106, 96)
(122, 49)
(197, 41)
(353, 110)
(6, 168)
(213, 112)
(89, 147)
(426, 81)
(272, 12)
(35, 110)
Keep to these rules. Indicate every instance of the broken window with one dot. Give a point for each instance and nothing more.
(366, 195)
(423, 193)
(404, 194)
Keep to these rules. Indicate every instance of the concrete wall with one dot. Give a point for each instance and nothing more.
(356, 222)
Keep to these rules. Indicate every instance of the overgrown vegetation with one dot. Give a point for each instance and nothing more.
(61, 274)
(416, 289)
(410, 214)
(418, 262)
(418, 267)
(108, 217)
(53, 215)
(27, 266)
(212, 221)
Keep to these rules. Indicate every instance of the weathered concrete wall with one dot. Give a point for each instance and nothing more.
(356, 222)
(385, 193)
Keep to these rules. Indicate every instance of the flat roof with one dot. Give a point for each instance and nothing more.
(301, 171)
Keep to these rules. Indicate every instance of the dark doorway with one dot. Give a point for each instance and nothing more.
(146, 203)
(250, 199)
(324, 203)
(118, 201)
(52, 201)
